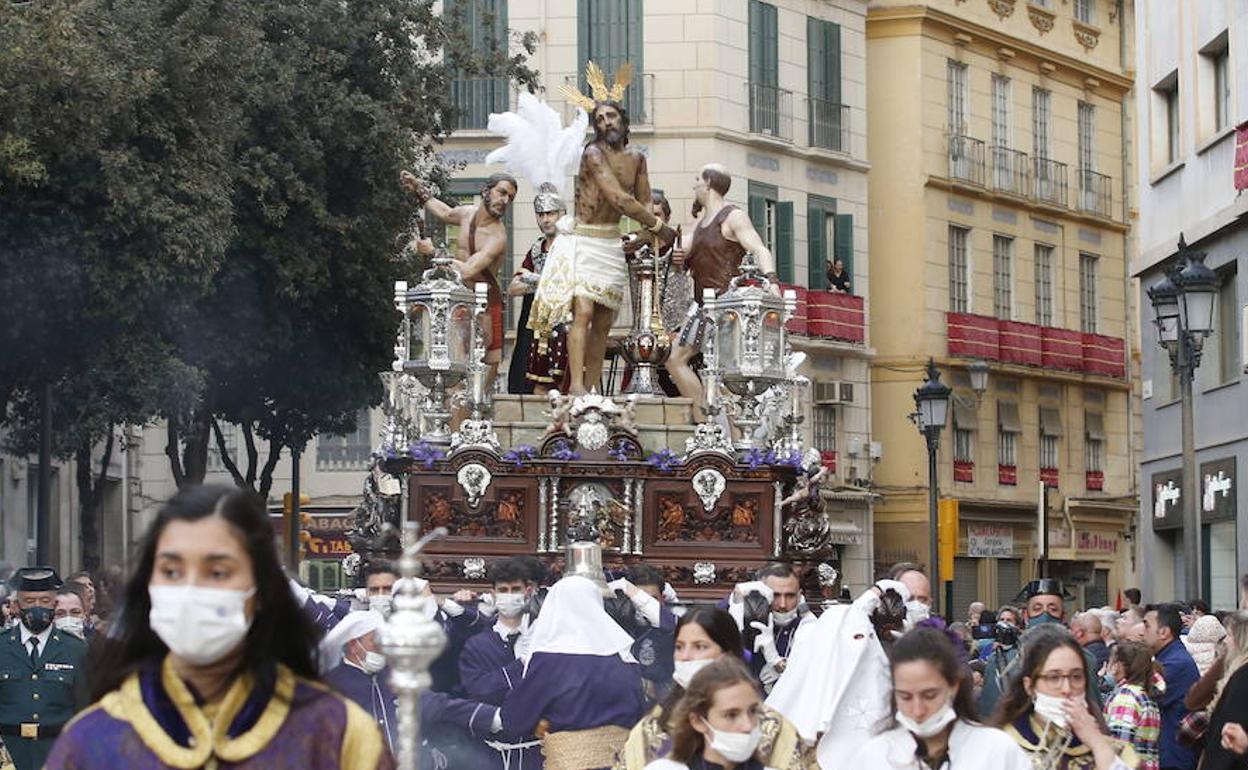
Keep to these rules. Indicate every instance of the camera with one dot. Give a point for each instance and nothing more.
(1006, 634)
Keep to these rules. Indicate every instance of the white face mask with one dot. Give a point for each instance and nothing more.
(1052, 708)
(930, 726)
(783, 618)
(71, 625)
(199, 625)
(686, 669)
(510, 605)
(373, 662)
(380, 603)
(735, 747)
(916, 612)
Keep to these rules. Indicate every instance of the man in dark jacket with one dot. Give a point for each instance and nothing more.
(1162, 625)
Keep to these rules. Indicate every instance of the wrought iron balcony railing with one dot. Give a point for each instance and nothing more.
(829, 125)
(771, 111)
(476, 98)
(1095, 192)
(1009, 170)
(966, 159)
(1049, 181)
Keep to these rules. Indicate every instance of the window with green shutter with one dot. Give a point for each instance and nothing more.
(609, 33)
(764, 72)
(773, 219)
(843, 247)
(828, 118)
(475, 96)
(820, 235)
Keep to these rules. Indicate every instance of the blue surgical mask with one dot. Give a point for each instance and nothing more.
(1040, 620)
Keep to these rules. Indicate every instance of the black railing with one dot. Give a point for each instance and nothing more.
(1009, 170)
(771, 111)
(966, 159)
(1049, 181)
(829, 125)
(1095, 192)
(476, 98)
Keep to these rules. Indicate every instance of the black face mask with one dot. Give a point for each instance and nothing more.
(36, 619)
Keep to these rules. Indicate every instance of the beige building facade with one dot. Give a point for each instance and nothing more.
(1000, 209)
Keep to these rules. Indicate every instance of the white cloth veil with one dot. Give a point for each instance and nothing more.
(572, 621)
(353, 626)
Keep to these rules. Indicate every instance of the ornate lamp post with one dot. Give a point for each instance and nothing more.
(441, 327)
(751, 343)
(1183, 303)
(411, 641)
(931, 402)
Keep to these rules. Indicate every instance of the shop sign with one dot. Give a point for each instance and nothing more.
(1096, 544)
(989, 540)
(1167, 489)
(328, 537)
(1217, 490)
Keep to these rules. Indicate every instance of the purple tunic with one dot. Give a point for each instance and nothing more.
(574, 692)
(488, 671)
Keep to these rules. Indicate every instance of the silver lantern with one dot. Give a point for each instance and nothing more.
(646, 347)
(751, 343)
(441, 327)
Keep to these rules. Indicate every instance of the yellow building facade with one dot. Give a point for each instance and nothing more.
(1000, 199)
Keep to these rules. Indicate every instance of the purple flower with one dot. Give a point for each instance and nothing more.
(757, 458)
(426, 454)
(794, 460)
(664, 460)
(621, 452)
(564, 451)
(521, 454)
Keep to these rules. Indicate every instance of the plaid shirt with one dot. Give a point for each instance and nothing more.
(1134, 717)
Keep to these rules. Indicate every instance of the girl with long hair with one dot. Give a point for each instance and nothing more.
(212, 662)
(1051, 712)
(1230, 703)
(1132, 713)
(934, 723)
(716, 722)
(704, 636)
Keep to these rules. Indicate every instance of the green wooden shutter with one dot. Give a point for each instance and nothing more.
(832, 54)
(844, 246)
(609, 32)
(784, 241)
(816, 247)
(758, 214)
(771, 46)
(756, 41)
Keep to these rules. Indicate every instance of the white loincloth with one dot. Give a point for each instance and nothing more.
(581, 263)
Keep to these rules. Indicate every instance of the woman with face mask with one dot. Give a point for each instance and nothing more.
(703, 636)
(212, 662)
(933, 724)
(1050, 711)
(716, 725)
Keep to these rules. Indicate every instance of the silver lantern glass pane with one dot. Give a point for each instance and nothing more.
(728, 343)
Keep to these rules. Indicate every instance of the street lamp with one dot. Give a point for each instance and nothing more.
(931, 402)
(978, 371)
(1183, 313)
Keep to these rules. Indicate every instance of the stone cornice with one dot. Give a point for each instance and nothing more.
(892, 22)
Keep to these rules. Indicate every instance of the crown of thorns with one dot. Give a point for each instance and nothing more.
(598, 86)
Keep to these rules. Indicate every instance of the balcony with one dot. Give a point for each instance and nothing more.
(966, 159)
(1095, 192)
(771, 111)
(476, 98)
(1009, 170)
(829, 125)
(827, 315)
(638, 100)
(1024, 344)
(1049, 181)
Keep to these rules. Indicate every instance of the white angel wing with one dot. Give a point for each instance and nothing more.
(538, 147)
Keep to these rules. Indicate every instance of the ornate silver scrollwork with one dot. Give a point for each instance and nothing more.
(474, 568)
(474, 479)
(709, 484)
(704, 572)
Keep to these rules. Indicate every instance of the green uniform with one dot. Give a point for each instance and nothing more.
(38, 697)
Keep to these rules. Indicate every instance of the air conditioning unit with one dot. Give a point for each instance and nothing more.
(854, 447)
(877, 450)
(829, 392)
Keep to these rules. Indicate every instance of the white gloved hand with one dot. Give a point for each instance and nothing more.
(486, 606)
(621, 584)
(765, 642)
(496, 725)
(869, 601)
(648, 606)
(738, 593)
(895, 585)
(768, 677)
(452, 607)
(669, 594)
(524, 645)
(301, 594)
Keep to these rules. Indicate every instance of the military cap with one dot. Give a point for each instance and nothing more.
(35, 579)
(1044, 587)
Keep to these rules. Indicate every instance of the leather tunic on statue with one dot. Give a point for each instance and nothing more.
(155, 721)
(712, 259)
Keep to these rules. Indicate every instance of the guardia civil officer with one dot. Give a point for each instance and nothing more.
(42, 681)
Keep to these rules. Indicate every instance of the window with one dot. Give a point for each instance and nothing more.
(957, 77)
(963, 445)
(475, 97)
(1044, 284)
(1228, 327)
(1088, 269)
(828, 119)
(1170, 97)
(1050, 433)
(1006, 454)
(824, 427)
(229, 433)
(609, 33)
(1002, 276)
(1087, 136)
(764, 69)
(828, 236)
(1085, 11)
(1048, 451)
(773, 219)
(349, 451)
(1094, 437)
(1041, 123)
(1000, 111)
(959, 273)
(1008, 428)
(1222, 88)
